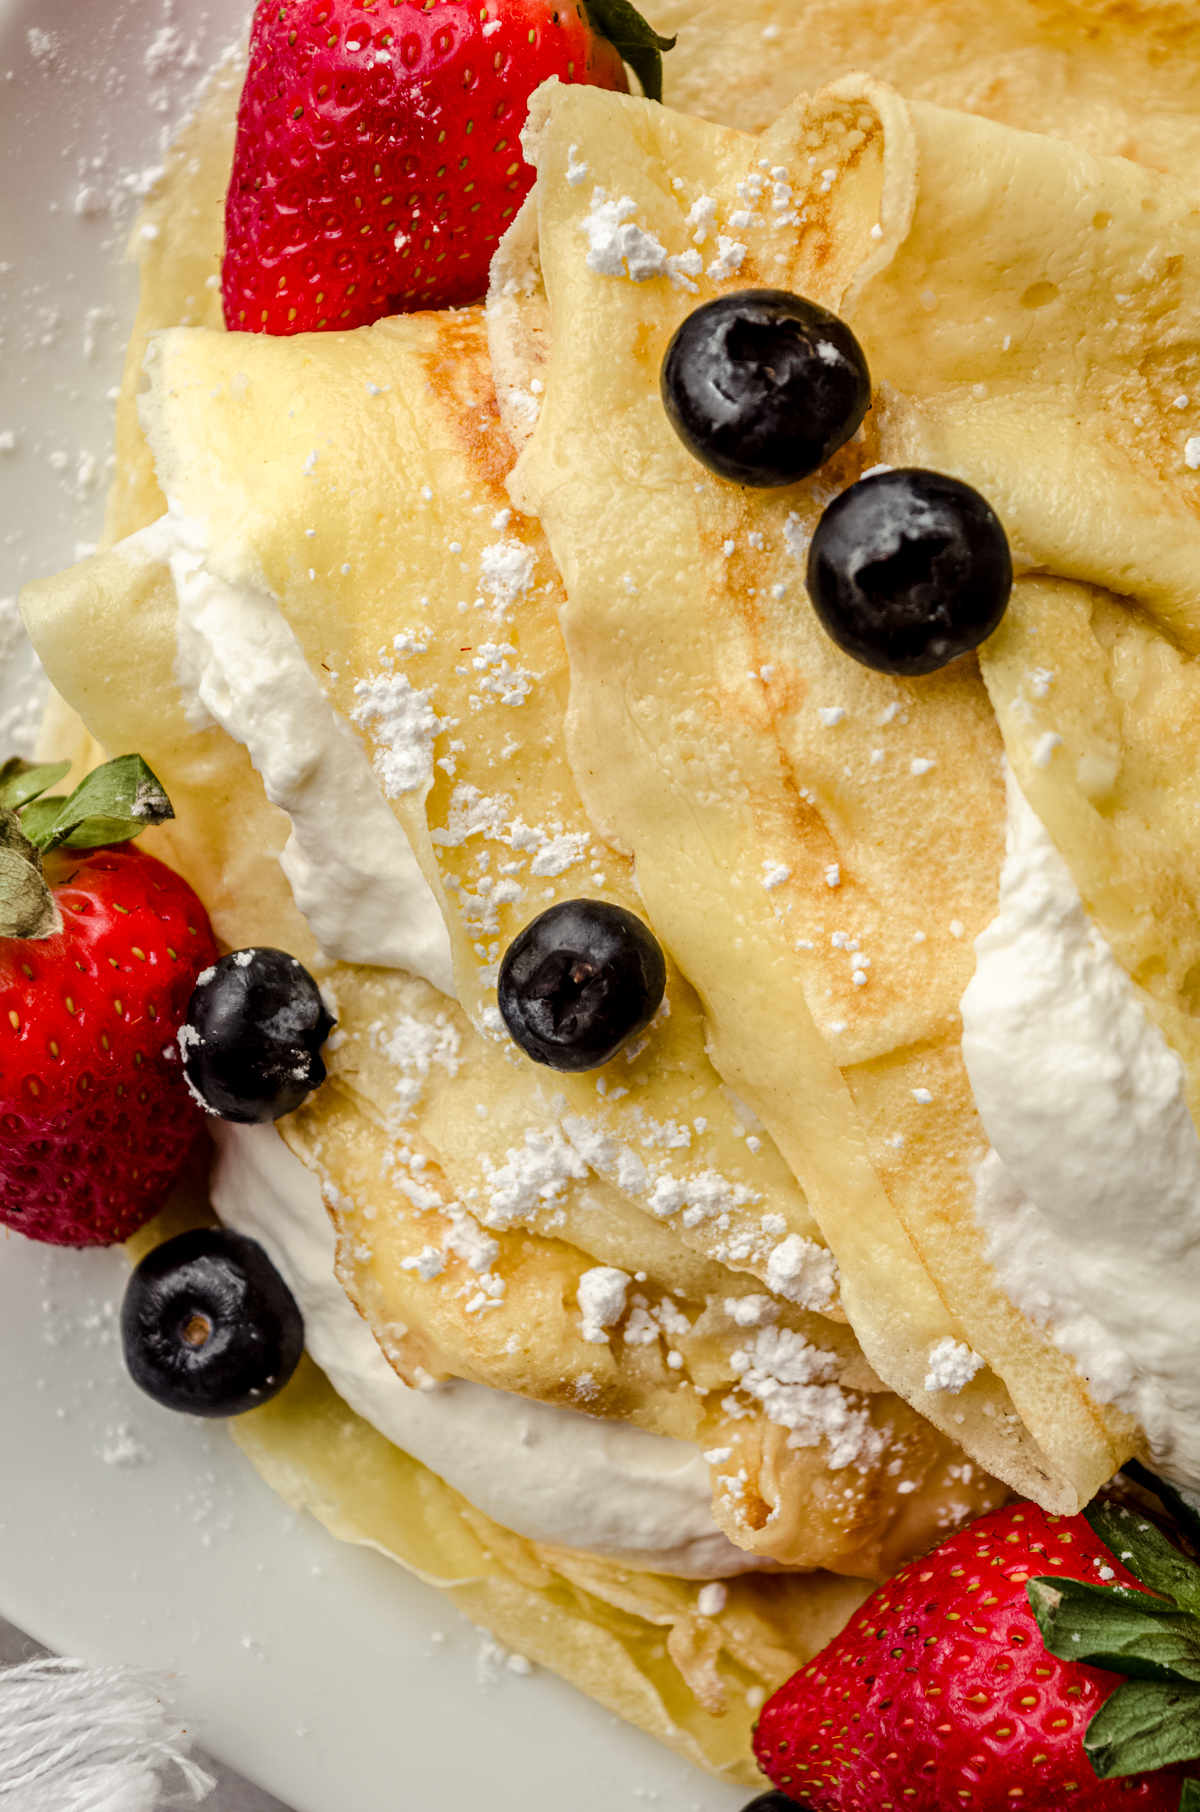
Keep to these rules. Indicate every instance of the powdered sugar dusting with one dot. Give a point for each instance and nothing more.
(601, 1299)
(702, 1197)
(532, 1177)
(952, 1365)
(414, 1046)
(793, 1382)
(731, 254)
(801, 1271)
(618, 247)
(402, 724)
(506, 571)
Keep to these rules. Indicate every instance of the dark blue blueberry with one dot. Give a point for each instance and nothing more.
(579, 982)
(774, 1801)
(908, 570)
(208, 1325)
(253, 1035)
(763, 387)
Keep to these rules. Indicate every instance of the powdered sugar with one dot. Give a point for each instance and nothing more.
(801, 1271)
(751, 1311)
(796, 537)
(649, 1322)
(554, 852)
(712, 1599)
(122, 1447)
(952, 1365)
(414, 1045)
(467, 1240)
(473, 814)
(601, 1298)
(618, 247)
(476, 814)
(506, 570)
(702, 215)
(792, 1381)
(402, 724)
(530, 1178)
(702, 1197)
(429, 1263)
(728, 262)
(508, 684)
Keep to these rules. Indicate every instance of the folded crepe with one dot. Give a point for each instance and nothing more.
(648, 713)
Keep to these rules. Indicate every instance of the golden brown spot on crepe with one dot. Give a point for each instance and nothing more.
(644, 343)
(460, 373)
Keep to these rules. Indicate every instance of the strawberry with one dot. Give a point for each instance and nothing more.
(100, 948)
(982, 1677)
(378, 155)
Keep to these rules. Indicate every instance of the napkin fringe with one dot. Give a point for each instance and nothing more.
(78, 1737)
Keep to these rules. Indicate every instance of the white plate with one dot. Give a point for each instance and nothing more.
(127, 1533)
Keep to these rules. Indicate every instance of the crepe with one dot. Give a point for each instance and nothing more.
(1120, 81)
(518, 1189)
(685, 742)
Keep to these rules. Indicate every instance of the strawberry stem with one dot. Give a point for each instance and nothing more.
(110, 805)
(113, 803)
(27, 907)
(639, 44)
(21, 781)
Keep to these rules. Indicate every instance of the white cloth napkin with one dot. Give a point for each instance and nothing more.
(81, 1738)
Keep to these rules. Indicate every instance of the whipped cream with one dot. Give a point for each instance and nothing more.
(552, 1475)
(1091, 1192)
(349, 863)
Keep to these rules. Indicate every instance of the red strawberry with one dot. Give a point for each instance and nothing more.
(95, 1116)
(941, 1693)
(378, 156)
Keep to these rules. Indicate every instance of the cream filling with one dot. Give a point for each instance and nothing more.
(1091, 1192)
(552, 1475)
(350, 865)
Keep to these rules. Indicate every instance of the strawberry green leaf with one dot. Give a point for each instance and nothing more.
(38, 816)
(1145, 1724)
(27, 906)
(639, 44)
(1146, 1551)
(1189, 1799)
(110, 805)
(1171, 1499)
(21, 781)
(1115, 1627)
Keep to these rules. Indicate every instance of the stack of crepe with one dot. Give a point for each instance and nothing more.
(648, 713)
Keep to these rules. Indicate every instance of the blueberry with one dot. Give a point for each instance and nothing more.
(208, 1325)
(908, 570)
(252, 1038)
(774, 1801)
(578, 982)
(762, 386)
